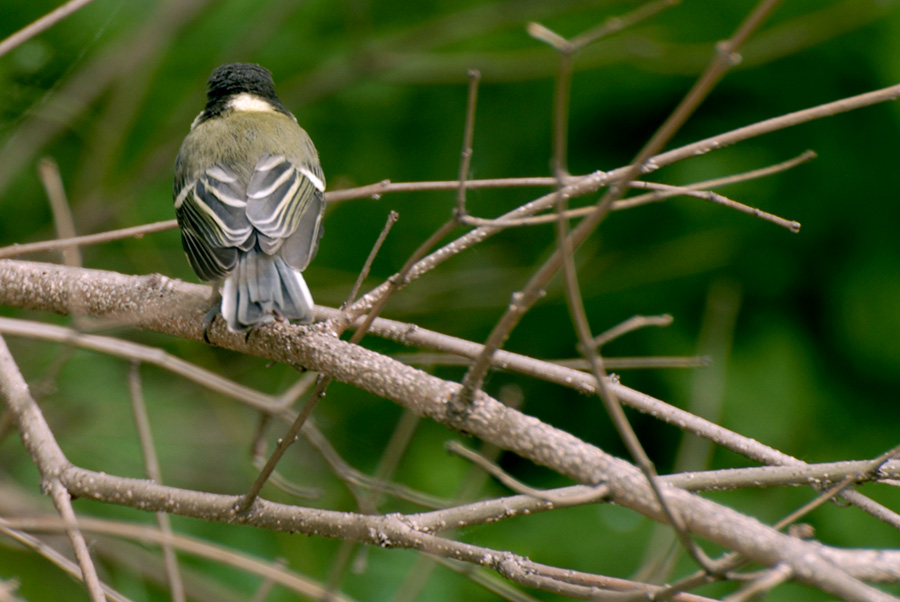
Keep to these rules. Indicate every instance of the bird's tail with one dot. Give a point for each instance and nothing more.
(262, 286)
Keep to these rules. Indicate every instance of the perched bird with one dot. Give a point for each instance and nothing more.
(249, 197)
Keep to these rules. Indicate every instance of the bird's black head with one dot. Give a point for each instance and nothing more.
(228, 81)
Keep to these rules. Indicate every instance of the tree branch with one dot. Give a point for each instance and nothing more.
(168, 306)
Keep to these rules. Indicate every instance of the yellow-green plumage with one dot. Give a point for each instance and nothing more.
(249, 197)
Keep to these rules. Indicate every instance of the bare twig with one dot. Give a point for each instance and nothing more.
(387, 465)
(664, 192)
(246, 502)
(611, 363)
(515, 568)
(48, 458)
(870, 469)
(150, 355)
(398, 281)
(488, 420)
(522, 301)
(593, 494)
(630, 325)
(775, 576)
(89, 239)
(592, 182)
(265, 588)
(694, 453)
(244, 562)
(42, 24)
(151, 467)
(732, 561)
(356, 479)
(59, 204)
(55, 557)
(466, 154)
(712, 197)
(288, 439)
(283, 484)
(63, 502)
(364, 273)
(401, 187)
(608, 27)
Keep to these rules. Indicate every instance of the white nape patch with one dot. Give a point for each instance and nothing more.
(316, 181)
(250, 103)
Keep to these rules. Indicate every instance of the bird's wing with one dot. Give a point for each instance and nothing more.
(211, 211)
(285, 203)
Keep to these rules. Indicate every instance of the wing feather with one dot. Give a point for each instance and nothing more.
(283, 199)
(212, 214)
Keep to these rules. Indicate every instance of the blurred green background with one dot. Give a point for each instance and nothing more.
(381, 86)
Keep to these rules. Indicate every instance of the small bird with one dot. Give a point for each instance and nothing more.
(249, 197)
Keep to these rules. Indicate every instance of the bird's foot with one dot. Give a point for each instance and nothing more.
(210, 318)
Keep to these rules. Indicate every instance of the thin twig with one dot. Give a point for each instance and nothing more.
(516, 568)
(772, 578)
(286, 441)
(694, 453)
(48, 171)
(610, 26)
(357, 479)
(663, 193)
(88, 239)
(386, 187)
(592, 495)
(283, 484)
(522, 301)
(566, 50)
(51, 179)
(402, 278)
(804, 157)
(153, 472)
(265, 588)
(733, 560)
(469, 488)
(630, 325)
(149, 355)
(425, 565)
(63, 503)
(713, 197)
(378, 189)
(49, 459)
(227, 556)
(364, 273)
(568, 243)
(246, 501)
(465, 159)
(55, 557)
(387, 465)
(42, 24)
(612, 363)
(871, 468)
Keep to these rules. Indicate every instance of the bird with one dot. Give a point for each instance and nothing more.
(249, 197)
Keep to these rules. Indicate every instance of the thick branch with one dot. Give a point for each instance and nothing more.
(164, 305)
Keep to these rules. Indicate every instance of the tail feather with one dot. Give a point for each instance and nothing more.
(262, 286)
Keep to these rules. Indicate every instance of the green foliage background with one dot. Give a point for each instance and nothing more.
(381, 88)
